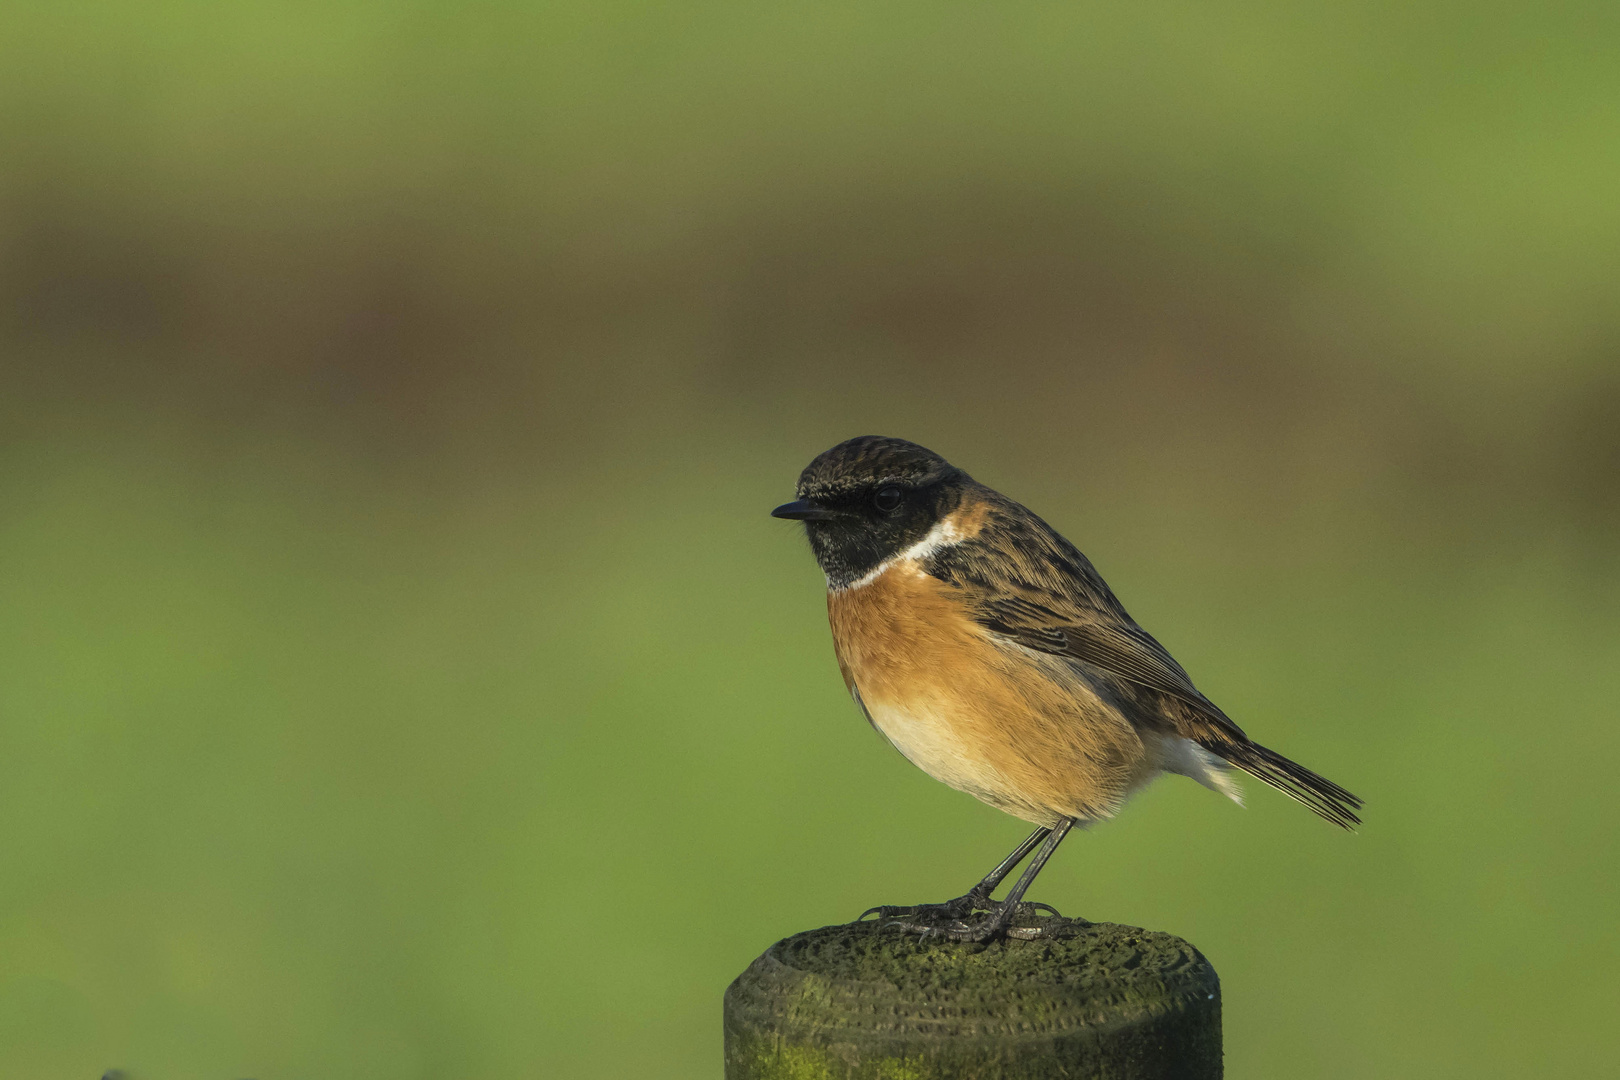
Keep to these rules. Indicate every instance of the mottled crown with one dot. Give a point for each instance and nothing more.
(866, 460)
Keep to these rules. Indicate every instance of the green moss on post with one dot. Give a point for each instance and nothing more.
(860, 1002)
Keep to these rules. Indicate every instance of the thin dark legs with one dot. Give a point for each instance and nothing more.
(996, 922)
(995, 877)
(978, 898)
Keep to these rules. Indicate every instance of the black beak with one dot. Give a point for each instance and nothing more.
(802, 510)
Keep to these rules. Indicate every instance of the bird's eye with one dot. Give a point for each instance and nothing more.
(888, 498)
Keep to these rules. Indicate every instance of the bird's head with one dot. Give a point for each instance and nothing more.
(870, 498)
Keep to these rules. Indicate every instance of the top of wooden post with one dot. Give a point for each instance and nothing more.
(865, 1001)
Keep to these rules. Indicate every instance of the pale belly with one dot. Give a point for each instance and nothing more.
(928, 738)
(1066, 784)
(1024, 764)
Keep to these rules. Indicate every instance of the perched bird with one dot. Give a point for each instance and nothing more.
(990, 652)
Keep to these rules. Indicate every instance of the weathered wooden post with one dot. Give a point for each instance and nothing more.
(1083, 1000)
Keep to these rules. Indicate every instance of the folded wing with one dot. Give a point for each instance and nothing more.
(1055, 602)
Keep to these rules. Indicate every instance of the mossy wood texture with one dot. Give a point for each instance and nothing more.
(861, 1002)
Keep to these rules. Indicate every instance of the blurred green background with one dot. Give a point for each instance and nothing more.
(400, 676)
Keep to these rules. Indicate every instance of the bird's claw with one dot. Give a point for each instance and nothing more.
(959, 908)
(998, 920)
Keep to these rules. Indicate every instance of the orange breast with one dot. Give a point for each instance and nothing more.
(1017, 729)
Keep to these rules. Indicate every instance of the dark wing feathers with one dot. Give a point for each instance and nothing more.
(1040, 592)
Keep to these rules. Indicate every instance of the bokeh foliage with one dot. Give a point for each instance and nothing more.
(400, 677)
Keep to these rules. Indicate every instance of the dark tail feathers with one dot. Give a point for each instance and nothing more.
(1294, 780)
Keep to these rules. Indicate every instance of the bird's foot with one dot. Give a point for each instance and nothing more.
(950, 910)
(1015, 920)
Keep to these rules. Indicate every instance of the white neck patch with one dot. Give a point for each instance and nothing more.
(942, 535)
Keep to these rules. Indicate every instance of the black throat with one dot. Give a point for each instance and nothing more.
(860, 539)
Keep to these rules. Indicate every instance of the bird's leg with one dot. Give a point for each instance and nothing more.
(979, 895)
(996, 921)
(976, 898)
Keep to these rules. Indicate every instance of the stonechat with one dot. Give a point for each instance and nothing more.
(992, 654)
